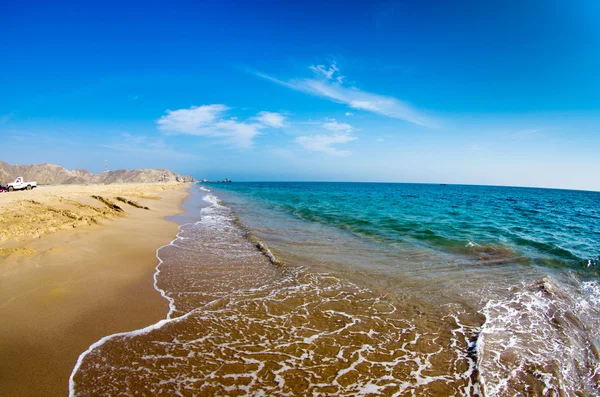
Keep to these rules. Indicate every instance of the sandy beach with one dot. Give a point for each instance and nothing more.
(74, 268)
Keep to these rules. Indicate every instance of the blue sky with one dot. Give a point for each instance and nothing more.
(504, 93)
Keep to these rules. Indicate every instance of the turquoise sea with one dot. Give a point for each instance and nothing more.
(366, 289)
(547, 226)
(526, 259)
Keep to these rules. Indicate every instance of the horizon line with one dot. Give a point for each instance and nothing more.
(412, 183)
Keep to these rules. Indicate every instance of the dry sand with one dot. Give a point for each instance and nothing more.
(73, 270)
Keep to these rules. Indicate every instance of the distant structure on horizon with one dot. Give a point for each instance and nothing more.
(226, 180)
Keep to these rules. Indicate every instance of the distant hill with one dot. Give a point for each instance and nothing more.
(52, 174)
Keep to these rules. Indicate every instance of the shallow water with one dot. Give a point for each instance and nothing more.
(368, 289)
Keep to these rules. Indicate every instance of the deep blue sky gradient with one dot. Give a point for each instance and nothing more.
(513, 87)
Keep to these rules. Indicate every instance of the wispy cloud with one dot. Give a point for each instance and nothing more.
(334, 126)
(329, 84)
(339, 133)
(323, 143)
(210, 121)
(271, 119)
(327, 73)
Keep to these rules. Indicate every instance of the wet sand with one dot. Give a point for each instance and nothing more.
(245, 324)
(73, 270)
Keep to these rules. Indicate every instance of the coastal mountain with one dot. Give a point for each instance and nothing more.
(52, 174)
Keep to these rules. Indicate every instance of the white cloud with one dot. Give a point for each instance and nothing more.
(271, 119)
(323, 143)
(333, 126)
(209, 121)
(328, 85)
(191, 121)
(339, 134)
(349, 114)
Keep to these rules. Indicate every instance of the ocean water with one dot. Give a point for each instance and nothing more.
(368, 289)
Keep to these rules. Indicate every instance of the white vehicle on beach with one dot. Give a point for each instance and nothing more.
(19, 184)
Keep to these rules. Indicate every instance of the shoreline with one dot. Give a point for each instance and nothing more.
(380, 330)
(64, 291)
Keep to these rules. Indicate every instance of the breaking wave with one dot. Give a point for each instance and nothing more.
(543, 339)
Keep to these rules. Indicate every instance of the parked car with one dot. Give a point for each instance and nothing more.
(19, 184)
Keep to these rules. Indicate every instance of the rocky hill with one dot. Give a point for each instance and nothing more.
(51, 174)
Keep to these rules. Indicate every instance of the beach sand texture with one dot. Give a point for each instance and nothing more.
(74, 268)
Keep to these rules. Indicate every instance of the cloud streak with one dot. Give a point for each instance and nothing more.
(210, 121)
(328, 84)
